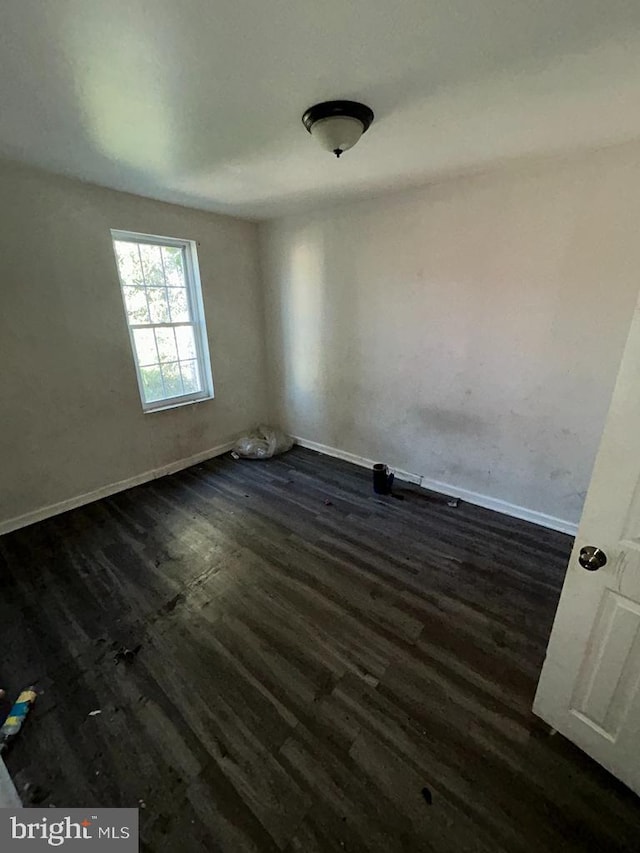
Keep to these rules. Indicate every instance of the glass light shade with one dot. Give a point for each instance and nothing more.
(337, 133)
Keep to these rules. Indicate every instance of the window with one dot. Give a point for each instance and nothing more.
(163, 302)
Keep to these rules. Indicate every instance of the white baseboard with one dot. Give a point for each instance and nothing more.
(474, 498)
(506, 508)
(111, 489)
(362, 461)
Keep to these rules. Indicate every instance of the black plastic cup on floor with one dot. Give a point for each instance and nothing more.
(382, 479)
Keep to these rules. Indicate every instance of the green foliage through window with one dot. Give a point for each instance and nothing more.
(160, 315)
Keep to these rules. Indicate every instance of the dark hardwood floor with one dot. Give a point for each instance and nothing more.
(318, 670)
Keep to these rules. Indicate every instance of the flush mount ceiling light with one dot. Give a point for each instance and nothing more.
(337, 125)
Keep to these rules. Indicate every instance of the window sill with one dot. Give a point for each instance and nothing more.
(176, 404)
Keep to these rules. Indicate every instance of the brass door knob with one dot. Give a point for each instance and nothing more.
(592, 558)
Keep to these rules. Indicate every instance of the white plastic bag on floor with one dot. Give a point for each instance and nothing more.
(263, 443)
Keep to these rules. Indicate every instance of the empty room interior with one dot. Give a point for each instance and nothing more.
(320, 425)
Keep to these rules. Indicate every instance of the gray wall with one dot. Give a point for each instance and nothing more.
(71, 419)
(470, 331)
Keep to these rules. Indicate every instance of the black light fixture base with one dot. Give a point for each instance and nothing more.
(349, 109)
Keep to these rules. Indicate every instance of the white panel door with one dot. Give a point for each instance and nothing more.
(589, 689)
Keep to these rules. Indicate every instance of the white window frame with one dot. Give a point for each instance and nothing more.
(196, 310)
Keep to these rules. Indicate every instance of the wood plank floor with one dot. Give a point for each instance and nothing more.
(318, 669)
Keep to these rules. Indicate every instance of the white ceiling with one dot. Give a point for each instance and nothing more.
(199, 101)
